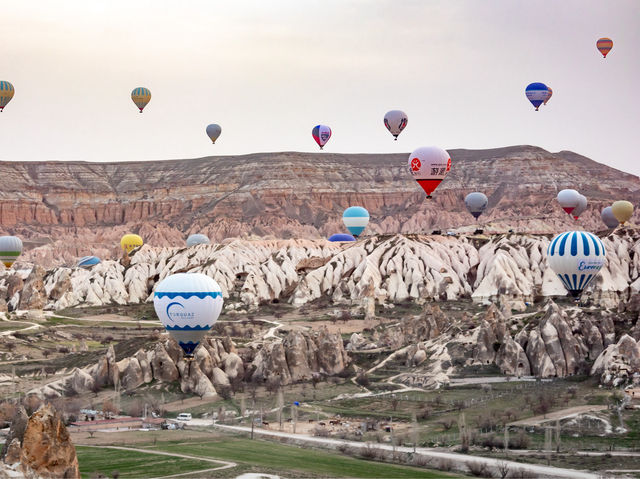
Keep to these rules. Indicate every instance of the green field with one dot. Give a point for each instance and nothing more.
(292, 461)
(93, 460)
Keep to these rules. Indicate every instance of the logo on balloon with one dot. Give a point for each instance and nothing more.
(174, 314)
(590, 266)
(415, 164)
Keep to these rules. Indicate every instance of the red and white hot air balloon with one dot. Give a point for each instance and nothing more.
(429, 165)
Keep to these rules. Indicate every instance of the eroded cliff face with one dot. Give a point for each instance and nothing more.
(65, 210)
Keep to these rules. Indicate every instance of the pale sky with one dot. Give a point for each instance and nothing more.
(268, 71)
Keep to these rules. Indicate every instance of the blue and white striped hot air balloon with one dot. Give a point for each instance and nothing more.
(576, 257)
(355, 218)
(188, 305)
(87, 262)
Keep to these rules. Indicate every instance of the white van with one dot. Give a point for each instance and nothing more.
(184, 416)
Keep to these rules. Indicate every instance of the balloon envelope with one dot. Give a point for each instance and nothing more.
(429, 165)
(476, 203)
(195, 239)
(88, 261)
(10, 249)
(141, 97)
(129, 242)
(568, 200)
(622, 210)
(6, 93)
(355, 218)
(549, 95)
(321, 133)
(213, 132)
(604, 45)
(188, 305)
(576, 257)
(581, 208)
(608, 218)
(537, 93)
(395, 121)
(338, 237)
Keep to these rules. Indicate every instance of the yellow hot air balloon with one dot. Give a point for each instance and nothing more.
(129, 242)
(141, 96)
(622, 210)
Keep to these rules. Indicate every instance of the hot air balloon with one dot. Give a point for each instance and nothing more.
(188, 305)
(129, 242)
(608, 218)
(576, 257)
(87, 262)
(10, 249)
(195, 239)
(141, 97)
(429, 165)
(476, 203)
(321, 133)
(549, 95)
(340, 237)
(622, 210)
(537, 93)
(568, 200)
(395, 121)
(355, 218)
(6, 93)
(581, 208)
(213, 132)
(604, 45)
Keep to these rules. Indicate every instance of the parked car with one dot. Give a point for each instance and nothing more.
(184, 416)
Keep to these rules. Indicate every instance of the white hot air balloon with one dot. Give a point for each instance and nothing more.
(188, 305)
(576, 257)
(195, 239)
(568, 200)
(213, 132)
(395, 121)
(429, 165)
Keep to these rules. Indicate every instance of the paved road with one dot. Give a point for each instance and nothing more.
(534, 470)
(224, 464)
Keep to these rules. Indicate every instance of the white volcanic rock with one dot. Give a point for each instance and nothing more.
(511, 269)
(618, 362)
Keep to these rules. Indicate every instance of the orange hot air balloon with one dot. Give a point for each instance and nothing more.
(605, 45)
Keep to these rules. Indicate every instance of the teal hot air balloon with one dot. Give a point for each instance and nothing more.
(10, 249)
(355, 218)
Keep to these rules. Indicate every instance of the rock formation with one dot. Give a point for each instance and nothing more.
(40, 447)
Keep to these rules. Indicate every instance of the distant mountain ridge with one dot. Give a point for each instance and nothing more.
(75, 208)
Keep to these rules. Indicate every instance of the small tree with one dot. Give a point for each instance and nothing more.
(362, 380)
(447, 423)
